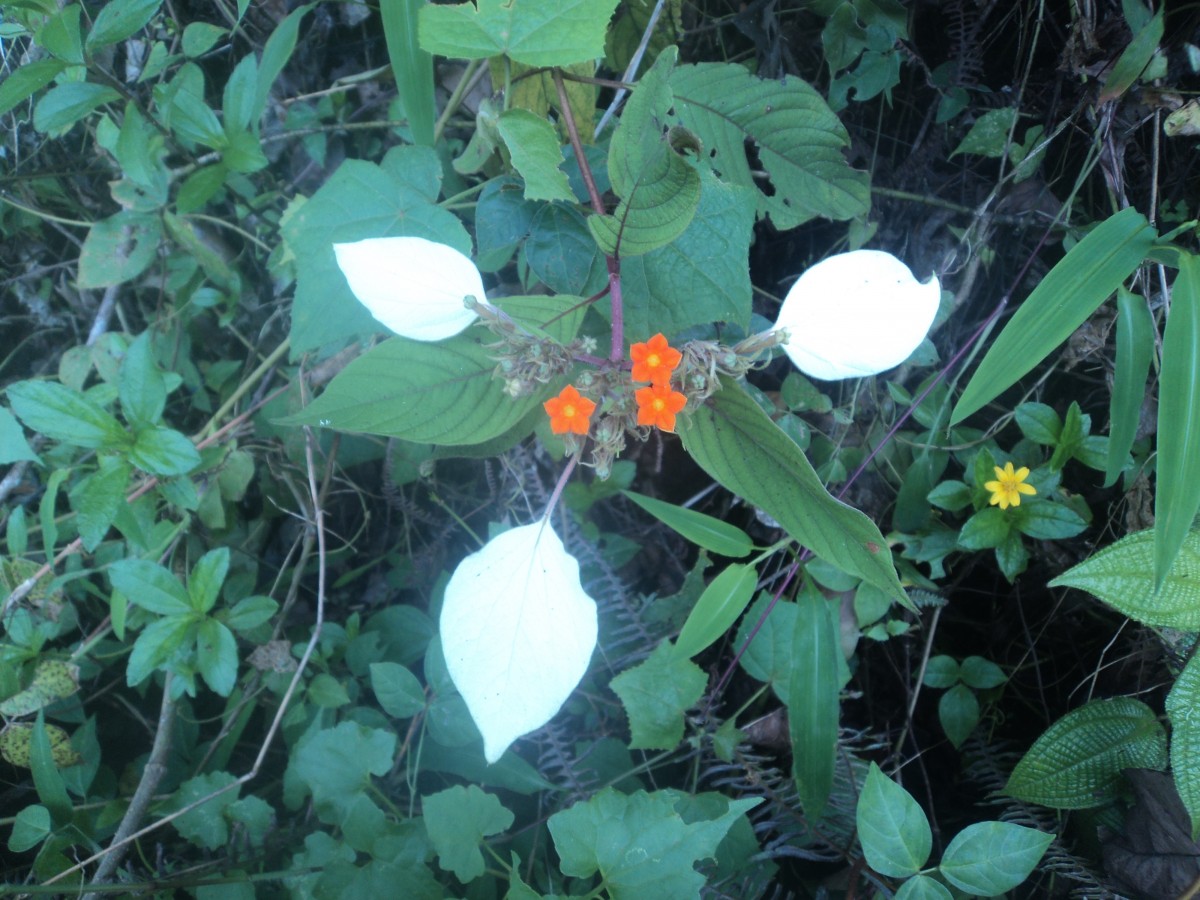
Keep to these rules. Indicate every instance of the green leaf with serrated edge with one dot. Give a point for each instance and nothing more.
(217, 656)
(1122, 576)
(536, 154)
(237, 99)
(893, 829)
(360, 200)
(98, 498)
(813, 689)
(656, 693)
(120, 19)
(704, 531)
(1077, 762)
(534, 32)
(735, 442)
(118, 249)
(155, 645)
(987, 528)
(27, 80)
(958, 711)
(13, 446)
(52, 680)
(457, 820)
(46, 755)
(981, 673)
(163, 451)
(205, 580)
(1134, 348)
(659, 190)
(922, 887)
(30, 828)
(717, 609)
(1183, 711)
(639, 843)
(150, 586)
(335, 765)
(1062, 301)
(1133, 60)
(65, 104)
(411, 66)
(206, 825)
(141, 385)
(1177, 493)
(250, 612)
(61, 36)
(65, 415)
(276, 53)
(1046, 521)
(1039, 422)
(797, 139)
(990, 858)
(397, 689)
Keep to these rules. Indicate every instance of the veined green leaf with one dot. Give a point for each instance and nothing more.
(717, 609)
(1135, 345)
(656, 694)
(65, 104)
(411, 66)
(65, 415)
(1177, 494)
(733, 440)
(703, 531)
(119, 19)
(813, 692)
(1070, 292)
(1077, 763)
(989, 858)
(150, 586)
(1183, 709)
(1122, 575)
(536, 154)
(894, 830)
(27, 80)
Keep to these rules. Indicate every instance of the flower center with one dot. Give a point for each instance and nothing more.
(654, 360)
(569, 411)
(659, 404)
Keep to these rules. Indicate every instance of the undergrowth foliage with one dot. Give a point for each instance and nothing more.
(604, 449)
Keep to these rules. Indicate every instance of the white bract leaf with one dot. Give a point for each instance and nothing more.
(856, 314)
(412, 286)
(518, 632)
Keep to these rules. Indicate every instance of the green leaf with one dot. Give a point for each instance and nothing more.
(52, 680)
(118, 249)
(65, 104)
(658, 188)
(206, 825)
(893, 829)
(639, 843)
(797, 139)
(733, 440)
(1183, 703)
(119, 19)
(30, 827)
(534, 32)
(98, 499)
(13, 446)
(276, 53)
(1070, 292)
(412, 67)
(360, 200)
(217, 656)
(987, 528)
(1039, 422)
(163, 451)
(536, 154)
(61, 35)
(336, 765)
(922, 887)
(1177, 493)
(981, 673)
(65, 415)
(656, 693)
(942, 672)
(701, 277)
(457, 820)
(989, 135)
(717, 609)
(141, 385)
(958, 711)
(43, 761)
(250, 612)
(990, 858)
(155, 645)
(1122, 576)
(237, 100)
(1134, 348)
(24, 82)
(205, 579)
(200, 37)
(1047, 521)
(769, 656)
(398, 690)
(813, 691)
(1133, 60)
(704, 531)
(1077, 763)
(150, 586)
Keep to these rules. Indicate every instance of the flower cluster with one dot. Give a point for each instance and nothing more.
(655, 361)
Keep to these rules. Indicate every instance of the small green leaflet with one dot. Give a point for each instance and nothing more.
(704, 531)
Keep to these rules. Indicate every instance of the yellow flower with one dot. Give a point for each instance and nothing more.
(1009, 486)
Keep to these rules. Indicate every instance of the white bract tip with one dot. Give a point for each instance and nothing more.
(856, 314)
(518, 632)
(412, 286)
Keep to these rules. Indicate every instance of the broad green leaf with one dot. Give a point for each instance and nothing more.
(155, 645)
(65, 104)
(717, 610)
(397, 689)
(24, 82)
(1177, 493)
(986, 528)
(893, 829)
(989, 135)
(1133, 60)
(200, 37)
(981, 673)
(704, 531)
(118, 249)
(922, 887)
(958, 711)
(797, 139)
(441, 393)
(412, 67)
(141, 385)
(733, 440)
(561, 252)
(813, 710)
(336, 765)
(769, 656)
(44, 762)
(276, 53)
(30, 827)
(250, 612)
(205, 826)
(359, 201)
(217, 656)
(237, 100)
(536, 154)
(457, 820)
(53, 680)
(1046, 520)
(659, 189)
(119, 19)
(1077, 762)
(1070, 292)
(205, 580)
(942, 672)
(1183, 710)
(150, 586)
(1122, 575)
(1134, 348)
(990, 858)
(656, 693)
(163, 451)
(639, 843)
(13, 446)
(701, 277)
(61, 36)
(99, 498)
(65, 415)
(534, 32)
(1039, 422)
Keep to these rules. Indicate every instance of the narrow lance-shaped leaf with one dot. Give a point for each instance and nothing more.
(702, 530)
(1135, 345)
(813, 695)
(1070, 292)
(717, 609)
(411, 66)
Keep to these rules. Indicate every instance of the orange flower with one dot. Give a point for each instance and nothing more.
(655, 360)
(569, 411)
(658, 404)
